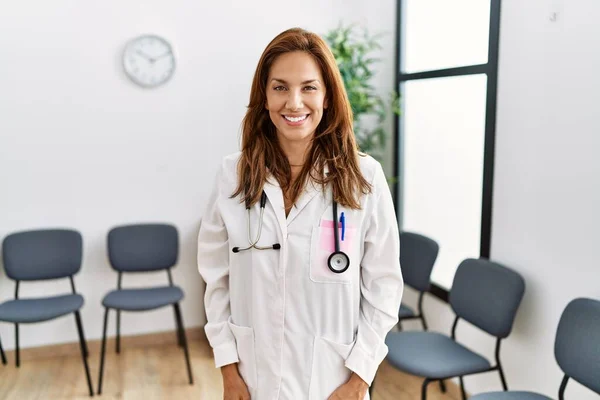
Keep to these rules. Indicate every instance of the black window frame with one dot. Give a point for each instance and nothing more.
(491, 70)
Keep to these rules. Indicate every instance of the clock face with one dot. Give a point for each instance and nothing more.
(149, 60)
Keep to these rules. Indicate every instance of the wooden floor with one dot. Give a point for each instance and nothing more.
(158, 372)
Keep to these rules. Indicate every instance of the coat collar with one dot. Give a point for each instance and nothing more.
(275, 196)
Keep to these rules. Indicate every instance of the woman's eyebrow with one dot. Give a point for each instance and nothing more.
(303, 83)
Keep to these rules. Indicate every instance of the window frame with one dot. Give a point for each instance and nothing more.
(491, 70)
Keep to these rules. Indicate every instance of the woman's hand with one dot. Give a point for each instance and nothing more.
(354, 389)
(234, 386)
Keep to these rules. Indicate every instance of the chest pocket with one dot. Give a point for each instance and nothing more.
(323, 245)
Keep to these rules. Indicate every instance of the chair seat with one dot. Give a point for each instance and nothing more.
(509, 396)
(432, 355)
(142, 299)
(39, 309)
(405, 312)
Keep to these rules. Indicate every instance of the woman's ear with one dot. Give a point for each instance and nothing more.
(325, 104)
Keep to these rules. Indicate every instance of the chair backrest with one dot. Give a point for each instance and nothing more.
(143, 247)
(577, 346)
(417, 258)
(42, 254)
(487, 294)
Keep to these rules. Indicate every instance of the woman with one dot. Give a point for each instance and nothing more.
(286, 318)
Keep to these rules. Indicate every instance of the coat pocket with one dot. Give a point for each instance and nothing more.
(328, 367)
(244, 338)
(323, 245)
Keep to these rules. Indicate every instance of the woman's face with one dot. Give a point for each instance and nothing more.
(295, 96)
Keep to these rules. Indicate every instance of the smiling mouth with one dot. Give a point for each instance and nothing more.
(296, 119)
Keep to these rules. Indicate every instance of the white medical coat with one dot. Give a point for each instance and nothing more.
(297, 329)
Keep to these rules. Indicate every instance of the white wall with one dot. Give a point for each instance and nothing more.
(546, 191)
(381, 20)
(83, 147)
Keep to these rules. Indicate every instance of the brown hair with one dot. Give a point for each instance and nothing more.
(333, 144)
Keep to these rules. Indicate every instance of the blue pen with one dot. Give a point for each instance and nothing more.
(343, 222)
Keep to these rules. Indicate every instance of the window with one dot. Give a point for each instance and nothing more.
(447, 74)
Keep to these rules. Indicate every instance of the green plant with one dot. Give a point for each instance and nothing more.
(354, 50)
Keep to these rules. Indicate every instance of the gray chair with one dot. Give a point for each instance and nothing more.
(417, 258)
(484, 293)
(576, 349)
(143, 248)
(43, 255)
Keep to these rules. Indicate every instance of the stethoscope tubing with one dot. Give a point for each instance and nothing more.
(334, 257)
(337, 254)
(253, 243)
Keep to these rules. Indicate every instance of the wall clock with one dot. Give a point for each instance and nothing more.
(149, 61)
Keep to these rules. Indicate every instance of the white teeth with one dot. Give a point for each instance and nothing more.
(295, 119)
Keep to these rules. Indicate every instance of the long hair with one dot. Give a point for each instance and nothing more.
(333, 145)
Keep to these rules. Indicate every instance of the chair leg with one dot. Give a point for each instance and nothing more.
(422, 318)
(17, 358)
(102, 351)
(179, 340)
(462, 388)
(563, 387)
(85, 346)
(424, 389)
(442, 386)
(179, 321)
(2, 354)
(118, 332)
(501, 372)
(84, 351)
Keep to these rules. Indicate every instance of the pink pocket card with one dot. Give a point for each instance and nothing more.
(325, 223)
(327, 239)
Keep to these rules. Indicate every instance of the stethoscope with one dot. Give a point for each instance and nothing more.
(276, 246)
(337, 262)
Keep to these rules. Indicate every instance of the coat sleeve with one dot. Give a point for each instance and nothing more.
(381, 283)
(213, 265)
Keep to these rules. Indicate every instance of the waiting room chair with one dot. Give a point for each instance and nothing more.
(417, 258)
(42, 255)
(143, 248)
(484, 293)
(576, 349)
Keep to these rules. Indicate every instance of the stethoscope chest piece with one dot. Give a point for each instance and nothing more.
(338, 262)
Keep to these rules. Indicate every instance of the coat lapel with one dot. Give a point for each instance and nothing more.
(310, 191)
(275, 196)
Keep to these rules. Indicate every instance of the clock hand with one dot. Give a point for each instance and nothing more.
(145, 56)
(163, 55)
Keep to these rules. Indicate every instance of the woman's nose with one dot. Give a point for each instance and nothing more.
(294, 101)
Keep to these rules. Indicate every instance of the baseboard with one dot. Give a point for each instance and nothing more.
(132, 341)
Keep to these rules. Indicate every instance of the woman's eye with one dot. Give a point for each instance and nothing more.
(310, 88)
(279, 88)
